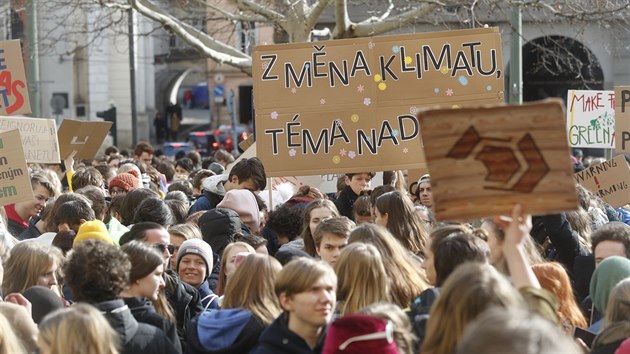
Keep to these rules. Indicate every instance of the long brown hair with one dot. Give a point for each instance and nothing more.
(469, 290)
(403, 221)
(222, 283)
(28, 260)
(252, 287)
(553, 277)
(361, 278)
(410, 279)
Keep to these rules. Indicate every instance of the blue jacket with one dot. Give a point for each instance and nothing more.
(278, 339)
(224, 332)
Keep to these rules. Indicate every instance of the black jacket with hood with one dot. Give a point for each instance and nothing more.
(229, 331)
(184, 299)
(135, 337)
(278, 339)
(345, 202)
(142, 310)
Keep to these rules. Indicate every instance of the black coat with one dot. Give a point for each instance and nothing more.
(31, 231)
(184, 299)
(135, 337)
(345, 202)
(143, 312)
(278, 339)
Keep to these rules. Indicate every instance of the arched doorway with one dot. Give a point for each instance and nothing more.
(554, 64)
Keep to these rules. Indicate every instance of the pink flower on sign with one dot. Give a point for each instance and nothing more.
(371, 45)
(265, 65)
(322, 101)
(274, 115)
(292, 152)
(338, 122)
(413, 110)
(342, 152)
(293, 90)
(360, 88)
(367, 101)
(449, 92)
(405, 150)
(352, 154)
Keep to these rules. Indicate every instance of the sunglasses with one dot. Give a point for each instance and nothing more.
(163, 247)
(387, 334)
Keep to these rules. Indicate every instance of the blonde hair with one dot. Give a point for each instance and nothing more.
(9, 341)
(410, 281)
(403, 331)
(252, 287)
(361, 278)
(222, 283)
(532, 249)
(618, 306)
(28, 261)
(468, 291)
(78, 329)
(300, 274)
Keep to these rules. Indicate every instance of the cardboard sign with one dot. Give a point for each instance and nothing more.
(13, 90)
(591, 119)
(84, 136)
(485, 160)
(15, 182)
(622, 118)
(39, 137)
(349, 105)
(609, 180)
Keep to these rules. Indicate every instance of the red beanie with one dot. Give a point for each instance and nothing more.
(351, 334)
(125, 181)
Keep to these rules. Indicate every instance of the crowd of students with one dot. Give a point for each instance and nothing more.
(136, 253)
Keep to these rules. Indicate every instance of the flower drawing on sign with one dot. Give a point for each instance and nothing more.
(395, 132)
(293, 90)
(360, 88)
(292, 152)
(367, 101)
(352, 154)
(265, 65)
(371, 45)
(322, 101)
(413, 110)
(405, 150)
(342, 152)
(449, 92)
(395, 49)
(274, 115)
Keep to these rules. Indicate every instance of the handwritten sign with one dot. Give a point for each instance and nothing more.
(39, 137)
(13, 90)
(485, 160)
(15, 182)
(85, 137)
(591, 118)
(349, 105)
(622, 118)
(610, 180)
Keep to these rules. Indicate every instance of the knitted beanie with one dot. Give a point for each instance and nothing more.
(358, 333)
(94, 229)
(125, 181)
(199, 247)
(244, 203)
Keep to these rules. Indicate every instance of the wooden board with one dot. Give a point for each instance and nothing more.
(485, 160)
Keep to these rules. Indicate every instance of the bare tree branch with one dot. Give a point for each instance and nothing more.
(248, 5)
(315, 12)
(370, 28)
(342, 19)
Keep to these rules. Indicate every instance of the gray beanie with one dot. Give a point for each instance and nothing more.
(199, 247)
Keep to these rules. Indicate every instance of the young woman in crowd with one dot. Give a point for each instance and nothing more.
(395, 211)
(31, 263)
(554, 278)
(316, 211)
(410, 280)
(145, 283)
(249, 306)
(362, 279)
(78, 329)
(232, 255)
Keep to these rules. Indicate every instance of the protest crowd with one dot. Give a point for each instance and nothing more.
(134, 252)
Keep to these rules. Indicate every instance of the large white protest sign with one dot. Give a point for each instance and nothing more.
(591, 119)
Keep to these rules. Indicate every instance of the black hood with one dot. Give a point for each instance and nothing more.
(218, 227)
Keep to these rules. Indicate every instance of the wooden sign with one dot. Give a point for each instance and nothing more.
(609, 180)
(15, 182)
(85, 137)
(591, 119)
(485, 160)
(39, 137)
(13, 90)
(622, 118)
(349, 105)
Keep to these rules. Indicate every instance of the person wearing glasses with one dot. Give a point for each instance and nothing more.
(306, 289)
(182, 298)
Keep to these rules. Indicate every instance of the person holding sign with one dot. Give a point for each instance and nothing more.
(355, 184)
